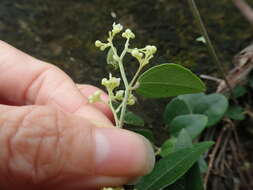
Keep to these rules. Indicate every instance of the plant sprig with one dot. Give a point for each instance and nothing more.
(124, 97)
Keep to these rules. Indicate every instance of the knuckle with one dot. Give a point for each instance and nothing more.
(33, 144)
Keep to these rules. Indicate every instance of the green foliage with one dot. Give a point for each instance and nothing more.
(172, 167)
(174, 108)
(133, 119)
(168, 146)
(239, 91)
(214, 106)
(194, 124)
(192, 179)
(167, 80)
(191, 100)
(183, 140)
(236, 113)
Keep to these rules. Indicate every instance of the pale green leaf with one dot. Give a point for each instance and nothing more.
(194, 124)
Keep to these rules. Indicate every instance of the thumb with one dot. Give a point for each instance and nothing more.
(44, 148)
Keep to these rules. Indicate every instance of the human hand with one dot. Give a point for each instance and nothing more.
(51, 138)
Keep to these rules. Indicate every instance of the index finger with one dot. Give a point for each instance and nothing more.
(25, 80)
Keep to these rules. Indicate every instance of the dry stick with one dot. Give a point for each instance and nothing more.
(209, 44)
(245, 9)
(222, 150)
(212, 156)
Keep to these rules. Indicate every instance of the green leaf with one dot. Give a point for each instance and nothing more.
(193, 179)
(174, 144)
(236, 113)
(172, 167)
(214, 106)
(191, 99)
(146, 133)
(194, 124)
(133, 119)
(168, 146)
(239, 91)
(183, 140)
(202, 165)
(168, 80)
(175, 108)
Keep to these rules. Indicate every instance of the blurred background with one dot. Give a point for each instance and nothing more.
(63, 33)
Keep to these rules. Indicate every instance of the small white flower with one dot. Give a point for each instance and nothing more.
(98, 43)
(111, 83)
(116, 28)
(151, 49)
(128, 34)
(119, 95)
(131, 100)
(136, 53)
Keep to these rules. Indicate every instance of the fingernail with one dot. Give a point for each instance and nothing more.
(122, 153)
(151, 155)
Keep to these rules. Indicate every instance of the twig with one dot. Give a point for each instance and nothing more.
(209, 44)
(245, 9)
(212, 156)
(211, 78)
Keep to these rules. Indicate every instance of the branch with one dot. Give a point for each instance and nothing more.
(245, 9)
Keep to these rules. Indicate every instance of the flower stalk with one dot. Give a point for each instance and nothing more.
(123, 97)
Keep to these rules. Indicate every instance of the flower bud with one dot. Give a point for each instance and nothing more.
(116, 28)
(96, 97)
(151, 49)
(128, 34)
(111, 83)
(137, 54)
(131, 100)
(119, 95)
(98, 43)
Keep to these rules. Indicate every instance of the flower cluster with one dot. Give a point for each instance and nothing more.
(111, 83)
(96, 97)
(125, 96)
(128, 34)
(144, 55)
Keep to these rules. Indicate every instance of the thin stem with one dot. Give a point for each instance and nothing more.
(124, 78)
(118, 108)
(112, 108)
(209, 44)
(135, 76)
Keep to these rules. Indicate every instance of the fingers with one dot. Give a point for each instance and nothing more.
(49, 149)
(88, 90)
(26, 80)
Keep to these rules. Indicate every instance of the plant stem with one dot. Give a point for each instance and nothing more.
(135, 76)
(112, 109)
(124, 78)
(209, 44)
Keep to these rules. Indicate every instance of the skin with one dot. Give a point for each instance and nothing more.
(52, 138)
